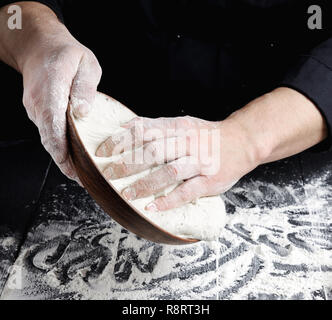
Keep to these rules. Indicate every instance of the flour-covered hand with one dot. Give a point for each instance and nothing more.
(204, 158)
(59, 70)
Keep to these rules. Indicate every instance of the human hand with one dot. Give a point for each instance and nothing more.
(58, 71)
(205, 158)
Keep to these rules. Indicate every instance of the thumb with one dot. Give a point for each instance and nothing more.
(84, 86)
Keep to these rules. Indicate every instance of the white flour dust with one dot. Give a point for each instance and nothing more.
(268, 250)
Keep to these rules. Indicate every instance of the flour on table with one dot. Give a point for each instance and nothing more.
(204, 219)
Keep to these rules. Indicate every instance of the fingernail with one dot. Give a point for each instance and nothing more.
(101, 151)
(151, 207)
(82, 110)
(108, 173)
(129, 193)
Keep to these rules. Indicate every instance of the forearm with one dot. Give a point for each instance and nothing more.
(39, 23)
(280, 124)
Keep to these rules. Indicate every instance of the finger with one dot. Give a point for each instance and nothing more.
(68, 170)
(154, 153)
(58, 149)
(126, 141)
(73, 172)
(52, 125)
(159, 180)
(154, 129)
(84, 86)
(62, 159)
(187, 192)
(143, 130)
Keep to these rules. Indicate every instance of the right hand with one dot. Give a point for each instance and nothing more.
(58, 71)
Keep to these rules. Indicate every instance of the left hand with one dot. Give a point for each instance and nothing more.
(206, 158)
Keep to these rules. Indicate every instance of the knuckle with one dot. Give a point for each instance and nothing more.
(189, 118)
(122, 169)
(60, 158)
(54, 126)
(44, 139)
(27, 99)
(137, 121)
(171, 171)
(161, 120)
(185, 193)
(164, 203)
(180, 124)
(57, 59)
(31, 97)
(54, 144)
(99, 70)
(93, 62)
(184, 121)
(150, 151)
(143, 186)
(162, 123)
(204, 185)
(214, 186)
(30, 106)
(67, 168)
(64, 60)
(205, 189)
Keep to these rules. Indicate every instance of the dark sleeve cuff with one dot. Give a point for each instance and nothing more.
(55, 5)
(313, 79)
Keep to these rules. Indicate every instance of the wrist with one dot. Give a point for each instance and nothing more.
(39, 23)
(243, 140)
(259, 141)
(280, 124)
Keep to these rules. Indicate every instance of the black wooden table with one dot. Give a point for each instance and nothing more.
(56, 243)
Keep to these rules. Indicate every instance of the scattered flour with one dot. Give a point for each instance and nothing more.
(277, 245)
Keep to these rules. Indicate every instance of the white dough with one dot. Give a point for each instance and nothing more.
(203, 220)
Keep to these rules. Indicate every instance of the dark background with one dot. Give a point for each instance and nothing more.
(179, 57)
(165, 64)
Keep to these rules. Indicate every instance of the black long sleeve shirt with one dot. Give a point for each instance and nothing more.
(205, 58)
